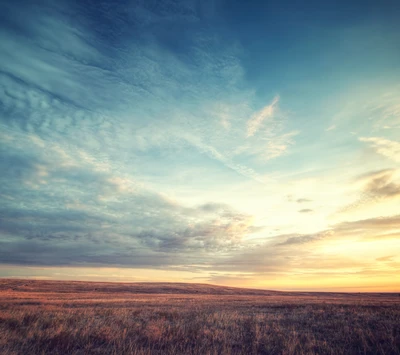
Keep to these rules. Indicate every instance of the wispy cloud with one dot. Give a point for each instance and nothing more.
(293, 253)
(386, 110)
(374, 187)
(303, 200)
(303, 239)
(278, 145)
(385, 147)
(226, 161)
(253, 125)
(381, 184)
(376, 227)
(306, 210)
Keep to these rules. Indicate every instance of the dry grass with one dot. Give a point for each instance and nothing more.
(41, 317)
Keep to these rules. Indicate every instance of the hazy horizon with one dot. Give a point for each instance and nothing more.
(240, 143)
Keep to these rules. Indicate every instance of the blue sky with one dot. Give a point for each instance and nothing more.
(244, 143)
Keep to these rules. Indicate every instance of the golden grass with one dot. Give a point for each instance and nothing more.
(44, 317)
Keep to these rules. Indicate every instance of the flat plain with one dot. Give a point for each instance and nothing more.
(59, 317)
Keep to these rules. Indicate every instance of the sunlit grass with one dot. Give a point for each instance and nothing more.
(74, 318)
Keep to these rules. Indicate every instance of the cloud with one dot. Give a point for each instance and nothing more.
(213, 207)
(303, 200)
(226, 161)
(94, 120)
(145, 225)
(279, 145)
(385, 258)
(375, 186)
(385, 110)
(380, 184)
(85, 214)
(224, 232)
(267, 112)
(385, 147)
(378, 226)
(273, 144)
(373, 109)
(304, 239)
(301, 254)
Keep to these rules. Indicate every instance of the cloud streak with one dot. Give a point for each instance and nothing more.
(388, 148)
(375, 187)
(265, 113)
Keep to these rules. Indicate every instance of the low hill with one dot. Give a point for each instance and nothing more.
(139, 288)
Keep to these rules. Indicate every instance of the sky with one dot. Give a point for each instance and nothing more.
(242, 143)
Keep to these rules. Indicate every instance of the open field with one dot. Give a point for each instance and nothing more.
(51, 317)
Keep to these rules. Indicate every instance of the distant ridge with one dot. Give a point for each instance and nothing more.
(58, 286)
(135, 288)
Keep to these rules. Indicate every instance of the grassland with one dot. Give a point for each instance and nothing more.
(49, 317)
